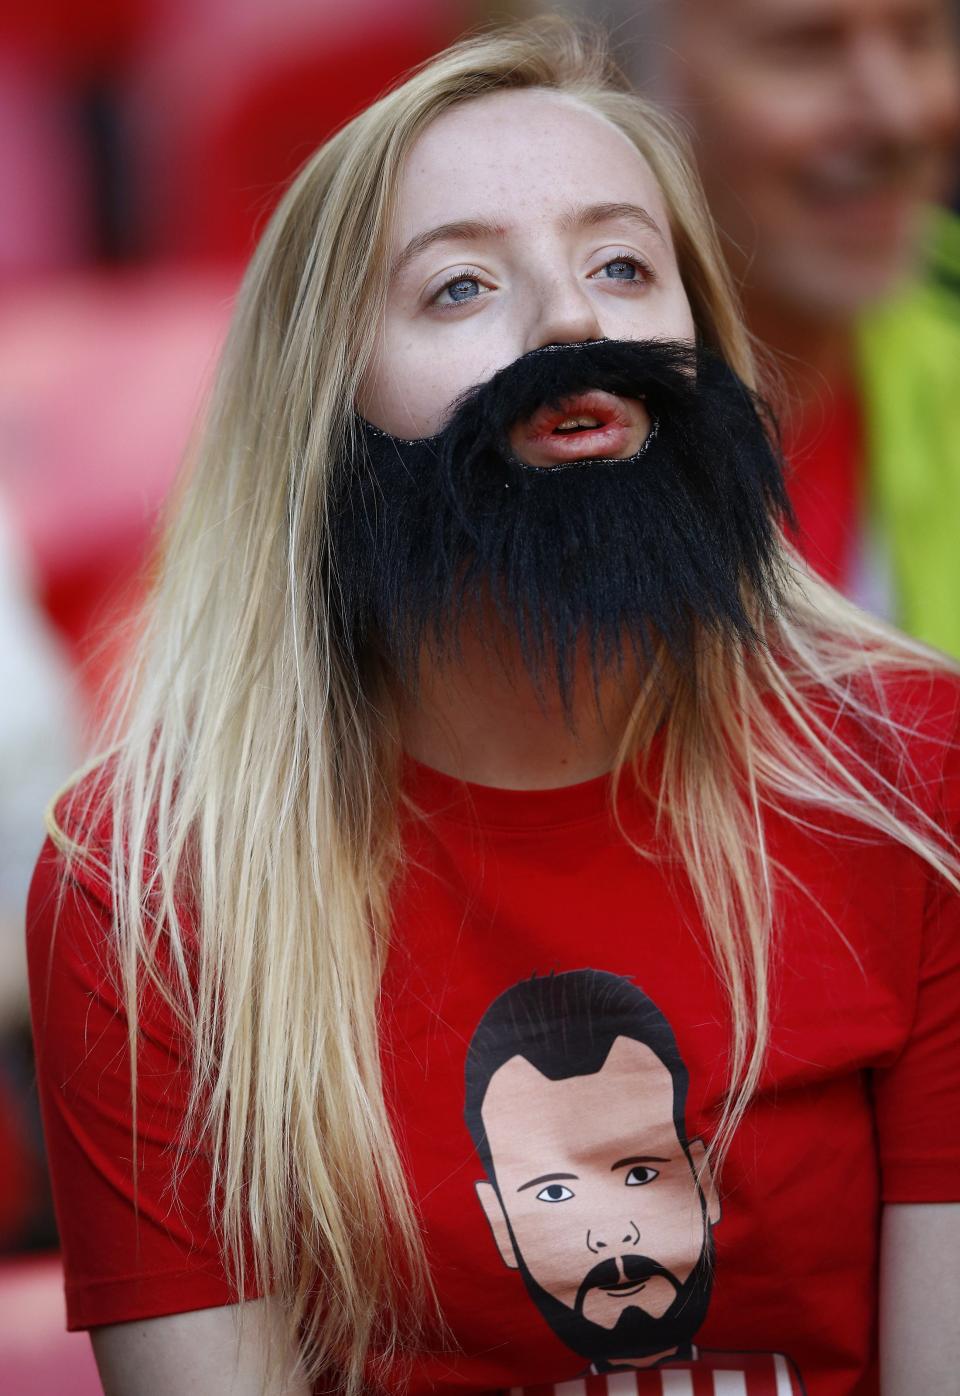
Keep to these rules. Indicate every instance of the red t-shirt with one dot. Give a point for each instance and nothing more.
(826, 458)
(555, 1045)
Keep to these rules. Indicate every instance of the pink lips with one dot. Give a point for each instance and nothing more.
(622, 427)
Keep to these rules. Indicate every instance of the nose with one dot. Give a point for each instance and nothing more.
(563, 313)
(605, 1238)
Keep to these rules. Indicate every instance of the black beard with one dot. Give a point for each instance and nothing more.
(678, 539)
(636, 1334)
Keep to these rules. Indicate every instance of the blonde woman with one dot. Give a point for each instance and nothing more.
(511, 940)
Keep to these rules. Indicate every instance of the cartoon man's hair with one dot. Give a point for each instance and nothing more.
(565, 1025)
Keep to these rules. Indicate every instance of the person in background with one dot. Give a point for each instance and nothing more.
(826, 133)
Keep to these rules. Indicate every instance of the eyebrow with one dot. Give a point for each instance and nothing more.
(589, 215)
(640, 1158)
(480, 230)
(548, 1178)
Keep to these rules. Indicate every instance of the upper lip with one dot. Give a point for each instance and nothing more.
(604, 408)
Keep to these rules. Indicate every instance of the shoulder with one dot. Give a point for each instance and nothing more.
(902, 720)
(919, 734)
(83, 940)
(72, 885)
(922, 700)
(82, 873)
(80, 847)
(887, 734)
(69, 920)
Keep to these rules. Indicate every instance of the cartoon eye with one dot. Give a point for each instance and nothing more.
(554, 1192)
(641, 1174)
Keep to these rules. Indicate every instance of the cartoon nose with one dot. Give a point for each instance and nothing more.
(600, 1240)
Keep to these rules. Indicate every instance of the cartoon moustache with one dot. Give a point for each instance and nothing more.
(607, 1275)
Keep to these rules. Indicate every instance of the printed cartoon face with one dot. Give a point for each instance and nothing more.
(599, 1204)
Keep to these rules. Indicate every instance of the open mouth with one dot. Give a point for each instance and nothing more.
(593, 423)
(571, 424)
(584, 412)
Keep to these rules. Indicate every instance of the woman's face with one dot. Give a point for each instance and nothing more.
(524, 219)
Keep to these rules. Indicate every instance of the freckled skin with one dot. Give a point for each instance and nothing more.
(586, 1127)
(521, 160)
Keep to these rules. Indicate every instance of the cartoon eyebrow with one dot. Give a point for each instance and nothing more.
(639, 1158)
(547, 1178)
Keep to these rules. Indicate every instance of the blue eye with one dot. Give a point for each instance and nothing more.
(626, 268)
(554, 1192)
(464, 289)
(465, 286)
(640, 1174)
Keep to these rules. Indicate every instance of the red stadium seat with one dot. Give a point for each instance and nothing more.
(225, 152)
(92, 38)
(102, 378)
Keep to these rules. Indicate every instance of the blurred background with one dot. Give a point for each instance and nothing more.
(143, 144)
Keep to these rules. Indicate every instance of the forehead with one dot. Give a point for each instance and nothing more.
(633, 1090)
(520, 157)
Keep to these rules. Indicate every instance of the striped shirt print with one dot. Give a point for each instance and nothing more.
(712, 1374)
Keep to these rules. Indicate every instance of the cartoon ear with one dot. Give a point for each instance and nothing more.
(490, 1202)
(701, 1169)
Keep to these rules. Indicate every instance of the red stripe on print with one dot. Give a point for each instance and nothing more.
(762, 1383)
(702, 1380)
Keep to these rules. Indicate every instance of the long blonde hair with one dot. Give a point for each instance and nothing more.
(253, 784)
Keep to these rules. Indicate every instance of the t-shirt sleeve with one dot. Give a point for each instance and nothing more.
(917, 1097)
(130, 1249)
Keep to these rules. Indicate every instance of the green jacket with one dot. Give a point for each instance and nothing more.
(909, 356)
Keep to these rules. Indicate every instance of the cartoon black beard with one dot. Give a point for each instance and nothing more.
(637, 1335)
(624, 555)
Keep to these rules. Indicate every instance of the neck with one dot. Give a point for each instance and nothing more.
(479, 717)
(814, 354)
(632, 1364)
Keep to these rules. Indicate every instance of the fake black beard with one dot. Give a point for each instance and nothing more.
(652, 548)
(636, 1334)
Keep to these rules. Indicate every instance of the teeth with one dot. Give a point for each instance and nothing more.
(573, 423)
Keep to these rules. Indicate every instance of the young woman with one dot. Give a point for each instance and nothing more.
(512, 940)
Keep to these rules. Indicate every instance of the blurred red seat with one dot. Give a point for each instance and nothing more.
(45, 193)
(225, 122)
(37, 1355)
(101, 377)
(18, 1182)
(91, 38)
